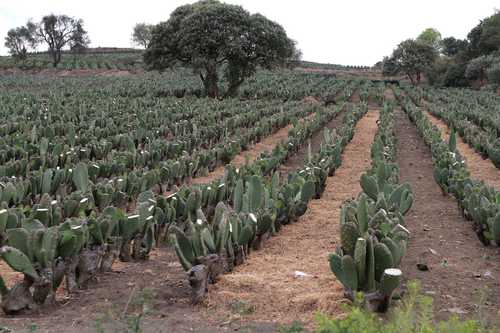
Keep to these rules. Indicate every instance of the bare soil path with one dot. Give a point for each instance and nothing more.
(355, 97)
(269, 286)
(480, 169)
(460, 267)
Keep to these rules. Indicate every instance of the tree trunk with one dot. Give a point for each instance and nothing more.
(232, 91)
(56, 57)
(412, 80)
(210, 82)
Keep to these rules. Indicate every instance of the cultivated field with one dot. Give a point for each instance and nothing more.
(126, 196)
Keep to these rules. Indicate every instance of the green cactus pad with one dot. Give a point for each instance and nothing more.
(495, 229)
(360, 260)
(81, 177)
(383, 259)
(396, 251)
(362, 215)
(18, 261)
(369, 186)
(246, 235)
(348, 237)
(350, 273)
(307, 192)
(19, 238)
(370, 265)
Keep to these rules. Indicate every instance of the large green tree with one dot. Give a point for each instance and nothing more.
(80, 39)
(412, 58)
(141, 34)
(58, 32)
(215, 39)
(431, 37)
(485, 37)
(477, 68)
(452, 46)
(19, 41)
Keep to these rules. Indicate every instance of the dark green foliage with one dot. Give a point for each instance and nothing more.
(452, 46)
(485, 37)
(210, 37)
(412, 58)
(19, 41)
(455, 76)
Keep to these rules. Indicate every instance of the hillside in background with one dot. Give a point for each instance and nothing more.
(129, 59)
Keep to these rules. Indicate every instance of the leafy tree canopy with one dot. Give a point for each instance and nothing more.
(79, 40)
(412, 58)
(432, 37)
(485, 37)
(19, 40)
(477, 67)
(213, 38)
(141, 34)
(452, 46)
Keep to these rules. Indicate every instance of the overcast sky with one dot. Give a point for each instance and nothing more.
(345, 32)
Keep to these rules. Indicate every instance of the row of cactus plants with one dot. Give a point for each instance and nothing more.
(76, 123)
(473, 120)
(181, 82)
(476, 200)
(372, 228)
(160, 147)
(212, 241)
(88, 232)
(75, 228)
(119, 191)
(52, 243)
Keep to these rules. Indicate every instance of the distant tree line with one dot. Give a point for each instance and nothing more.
(223, 44)
(55, 31)
(450, 62)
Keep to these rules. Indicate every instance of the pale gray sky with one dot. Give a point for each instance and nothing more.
(353, 32)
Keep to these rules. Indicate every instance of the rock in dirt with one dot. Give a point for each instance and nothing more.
(299, 274)
(456, 311)
(422, 267)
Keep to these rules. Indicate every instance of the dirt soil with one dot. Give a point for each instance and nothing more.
(460, 267)
(355, 97)
(480, 169)
(289, 279)
(158, 283)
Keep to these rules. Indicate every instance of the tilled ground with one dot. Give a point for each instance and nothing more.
(480, 169)
(158, 288)
(290, 279)
(460, 268)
